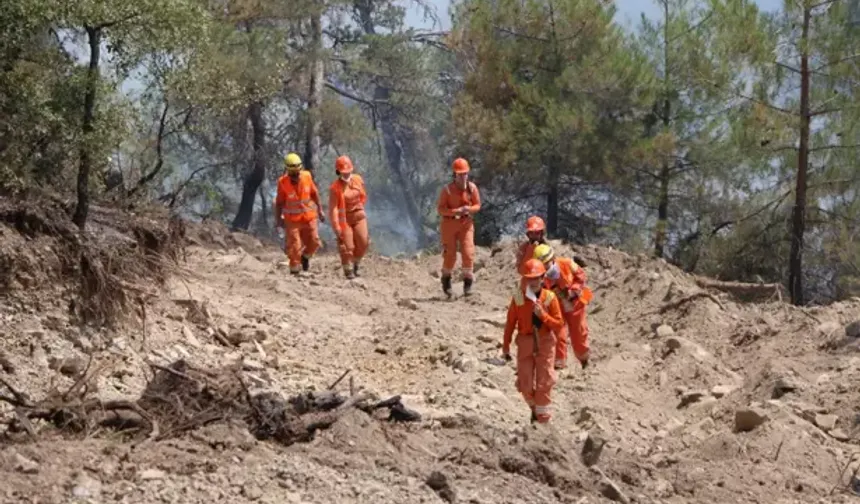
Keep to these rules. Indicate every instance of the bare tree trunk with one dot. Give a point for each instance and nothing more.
(94, 37)
(312, 141)
(663, 197)
(552, 198)
(264, 212)
(257, 173)
(798, 219)
(393, 152)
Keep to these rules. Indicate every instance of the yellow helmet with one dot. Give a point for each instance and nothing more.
(293, 162)
(543, 253)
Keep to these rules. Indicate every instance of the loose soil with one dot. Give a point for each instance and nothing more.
(694, 393)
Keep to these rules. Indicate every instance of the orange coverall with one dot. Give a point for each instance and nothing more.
(535, 350)
(525, 252)
(296, 202)
(458, 229)
(571, 279)
(346, 211)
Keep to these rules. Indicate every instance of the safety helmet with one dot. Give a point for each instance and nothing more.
(534, 224)
(460, 166)
(343, 164)
(544, 253)
(293, 162)
(533, 269)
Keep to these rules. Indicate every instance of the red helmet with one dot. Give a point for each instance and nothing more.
(534, 224)
(460, 166)
(343, 164)
(533, 268)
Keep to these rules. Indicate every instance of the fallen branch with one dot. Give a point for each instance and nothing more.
(686, 299)
(180, 398)
(743, 291)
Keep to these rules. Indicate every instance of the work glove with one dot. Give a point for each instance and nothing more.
(573, 295)
(322, 217)
(536, 321)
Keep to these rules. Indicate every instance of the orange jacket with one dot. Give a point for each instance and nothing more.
(525, 252)
(337, 203)
(571, 280)
(452, 198)
(520, 316)
(294, 200)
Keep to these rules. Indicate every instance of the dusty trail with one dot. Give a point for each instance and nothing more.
(663, 392)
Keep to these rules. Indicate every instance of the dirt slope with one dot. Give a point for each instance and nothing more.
(665, 391)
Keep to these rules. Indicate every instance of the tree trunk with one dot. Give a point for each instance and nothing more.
(257, 173)
(94, 37)
(552, 198)
(798, 220)
(264, 211)
(393, 152)
(663, 197)
(662, 212)
(312, 140)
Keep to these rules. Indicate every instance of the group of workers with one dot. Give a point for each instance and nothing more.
(297, 208)
(548, 305)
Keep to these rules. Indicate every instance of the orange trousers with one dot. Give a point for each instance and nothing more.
(535, 372)
(302, 240)
(458, 232)
(355, 239)
(575, 330)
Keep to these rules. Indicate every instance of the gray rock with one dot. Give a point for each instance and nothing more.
(25, 465)
(252, 492)
(664, 331)
(722, 390)
(852, 330)
(826, 422)
(690, 397)
(840, 435)
(86, 487)
(408, 303)
(747, 419)
(786, 384)
(591, 449)
(152, 474)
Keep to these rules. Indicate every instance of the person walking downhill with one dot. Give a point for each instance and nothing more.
(535, 235)
(346, 201)
(536, 315)
(567, 280)
(297, 206)
(458, 202)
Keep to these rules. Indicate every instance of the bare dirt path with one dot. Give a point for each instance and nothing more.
(665, 392)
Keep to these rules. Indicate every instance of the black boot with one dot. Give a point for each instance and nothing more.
(306, 263)
(355, 269)
(534, 416)
(446, 285)
(467, 286)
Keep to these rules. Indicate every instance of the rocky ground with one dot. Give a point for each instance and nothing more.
(692, 396)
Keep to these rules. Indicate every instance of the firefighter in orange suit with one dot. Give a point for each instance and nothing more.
(297, 207)
(458, 201)
(567, 280)
(536, 315)
(535, 235)
(346, 200)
